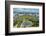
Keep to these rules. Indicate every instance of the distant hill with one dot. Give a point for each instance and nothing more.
(26, 12)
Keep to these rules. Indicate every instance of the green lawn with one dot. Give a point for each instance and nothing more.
(25, 18)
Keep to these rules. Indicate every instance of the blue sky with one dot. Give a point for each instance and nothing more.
(25, 10)
(29, 10)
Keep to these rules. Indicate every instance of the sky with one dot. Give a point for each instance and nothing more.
(27, 10)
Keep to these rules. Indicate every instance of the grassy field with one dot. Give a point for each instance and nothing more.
(28, 20)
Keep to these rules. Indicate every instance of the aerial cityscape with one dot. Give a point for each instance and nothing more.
(25, 17)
